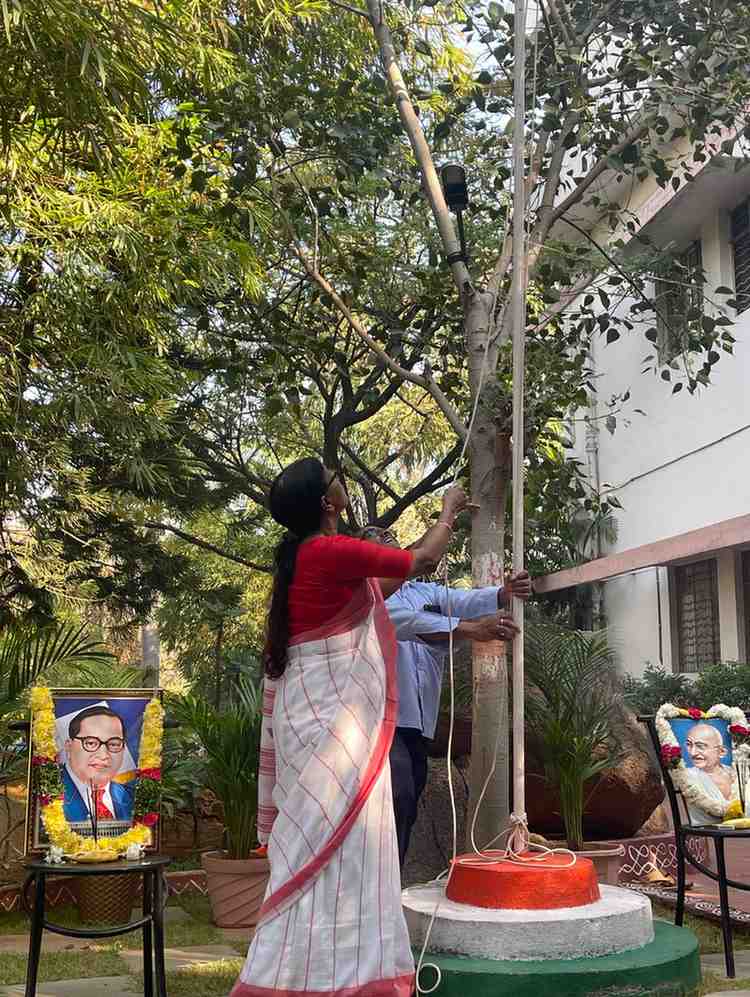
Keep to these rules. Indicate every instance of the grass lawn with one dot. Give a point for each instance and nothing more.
(197, 931)
(707, 932)
(102, 958)
(211, 979)
(98, 961)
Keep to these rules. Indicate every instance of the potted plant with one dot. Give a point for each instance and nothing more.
(229, 742)
(573, 716)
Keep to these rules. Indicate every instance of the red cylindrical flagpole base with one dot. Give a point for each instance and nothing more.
(542, 882)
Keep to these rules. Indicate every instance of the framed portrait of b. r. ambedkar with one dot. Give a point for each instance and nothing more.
(94, 769)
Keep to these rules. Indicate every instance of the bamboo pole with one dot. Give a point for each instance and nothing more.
(518, 298)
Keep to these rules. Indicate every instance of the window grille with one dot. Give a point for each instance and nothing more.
(741, 244)
(697, 606)
(679, 301)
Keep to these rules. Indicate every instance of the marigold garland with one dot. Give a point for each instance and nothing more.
(49, 786)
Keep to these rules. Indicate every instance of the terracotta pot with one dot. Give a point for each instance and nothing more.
(236, 888)
(606, 858)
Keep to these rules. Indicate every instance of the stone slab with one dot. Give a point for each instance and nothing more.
(51, 943)
(667, 965)
(177, 958)
(714, 963)
(621, 920)
(172, 915)
(99, 986)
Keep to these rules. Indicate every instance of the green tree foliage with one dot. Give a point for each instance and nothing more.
(165, 167)
(103, 255)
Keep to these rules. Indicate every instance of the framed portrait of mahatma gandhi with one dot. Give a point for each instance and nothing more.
(706, 754)
(86, 767)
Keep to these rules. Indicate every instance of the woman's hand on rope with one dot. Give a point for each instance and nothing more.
(454, 501)
(435, 542)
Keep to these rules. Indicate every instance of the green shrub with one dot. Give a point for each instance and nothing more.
(657, 686)
(726, 682)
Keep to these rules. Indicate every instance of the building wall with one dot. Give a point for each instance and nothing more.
(683, 465)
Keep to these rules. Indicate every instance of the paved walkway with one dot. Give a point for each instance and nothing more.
(97, 986)
(108, 986)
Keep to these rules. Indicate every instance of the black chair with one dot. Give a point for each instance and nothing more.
(151, 869)
(684, 830)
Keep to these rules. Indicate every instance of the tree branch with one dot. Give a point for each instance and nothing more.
(551, 184)
(205, 545)
(623, 273)
(368, 473)
(598, 19)
(350, 9)
(570, 43)
(575, 196)
(413, 128)
(423, 381)
(427, 485)
(565, 299)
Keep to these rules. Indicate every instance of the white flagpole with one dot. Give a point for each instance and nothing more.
(518, 298)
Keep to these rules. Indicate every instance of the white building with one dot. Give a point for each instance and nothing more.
(676, 584)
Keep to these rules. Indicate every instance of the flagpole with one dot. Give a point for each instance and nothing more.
(518, 301)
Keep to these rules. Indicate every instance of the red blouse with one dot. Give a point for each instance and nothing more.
(327, 574)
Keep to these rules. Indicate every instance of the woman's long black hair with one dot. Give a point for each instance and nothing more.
(294, 501)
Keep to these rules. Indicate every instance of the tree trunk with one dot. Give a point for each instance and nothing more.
(490, 457)
(217, 661)
(150, 653)
(490, 473)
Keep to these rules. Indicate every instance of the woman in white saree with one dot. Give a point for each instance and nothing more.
(332, 922)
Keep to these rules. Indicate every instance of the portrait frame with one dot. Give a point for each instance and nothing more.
(711, 774)
(125, 785)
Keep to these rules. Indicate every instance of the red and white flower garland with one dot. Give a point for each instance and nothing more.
(671, 754)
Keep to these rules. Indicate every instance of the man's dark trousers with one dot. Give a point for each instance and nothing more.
(408, 778)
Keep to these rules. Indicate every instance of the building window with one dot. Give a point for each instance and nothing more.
(679, 301)
(741, 244)
(697, 615)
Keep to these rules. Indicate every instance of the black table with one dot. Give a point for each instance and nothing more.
(150, 868)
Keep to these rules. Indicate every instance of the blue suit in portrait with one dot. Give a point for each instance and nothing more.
(74, 806)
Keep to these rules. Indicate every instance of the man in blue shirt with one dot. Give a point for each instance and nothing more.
(424, 614)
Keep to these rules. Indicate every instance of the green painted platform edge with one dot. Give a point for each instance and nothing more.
(670, 965)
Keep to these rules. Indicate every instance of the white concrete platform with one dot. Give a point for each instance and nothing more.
(619, 922)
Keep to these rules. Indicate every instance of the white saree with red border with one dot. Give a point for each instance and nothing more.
(332, 921)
